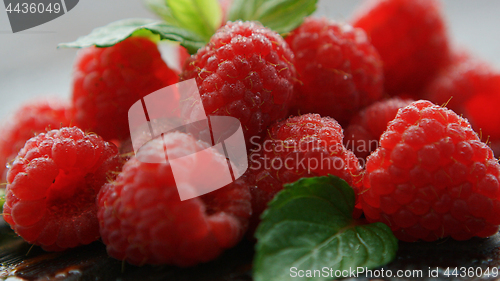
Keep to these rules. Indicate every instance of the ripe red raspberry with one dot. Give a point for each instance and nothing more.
(142, 219)
(432, 177)
(339, 69)
(53, 185)
(301, 146)
(472, 88)
(412, 40)
(246, 71)
(30, 119)
(108, 81)
(367, 126)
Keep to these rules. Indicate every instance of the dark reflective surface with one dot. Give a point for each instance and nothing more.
(91, 262)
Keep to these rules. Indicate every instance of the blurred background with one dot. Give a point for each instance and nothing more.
(31, 65)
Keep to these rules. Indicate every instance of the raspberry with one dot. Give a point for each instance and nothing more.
(30, 119)
(301, 146)
(108, 81)
(472, 88)
(412, 40)
(458, 82)
(367, 126)
(246, 71)
(53, 185)
(432, 177)
(142, 219)
(182, 56)
(340, 70)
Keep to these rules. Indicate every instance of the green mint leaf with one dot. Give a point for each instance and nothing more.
(309, 226)
(118, 31)
(203, 17)
(281, 16)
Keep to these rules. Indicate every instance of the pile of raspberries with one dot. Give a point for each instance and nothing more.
(388, 81)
